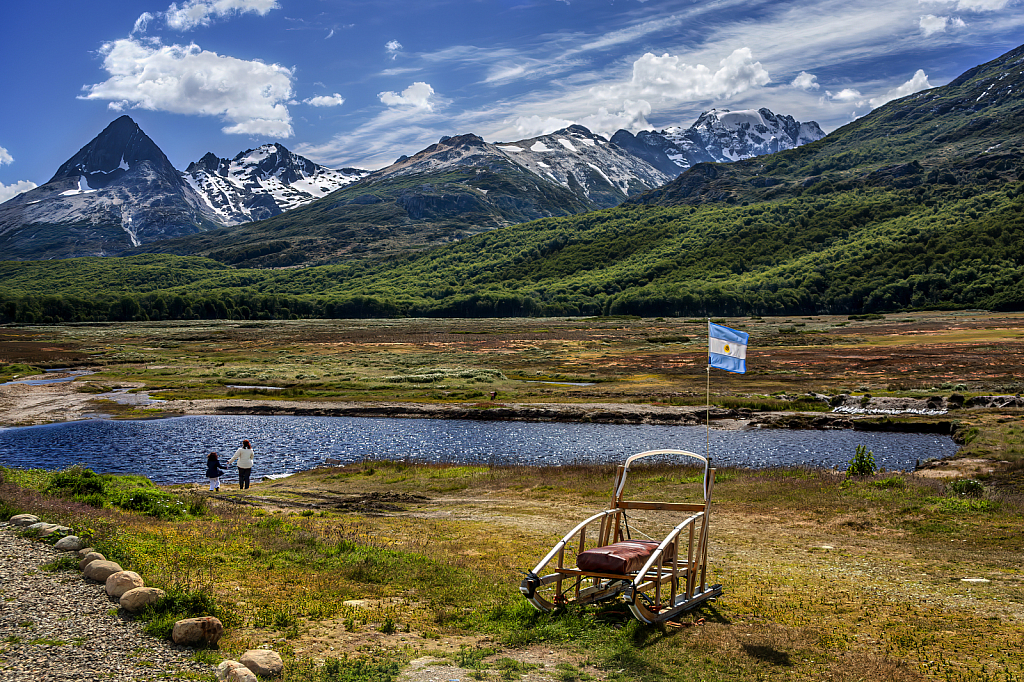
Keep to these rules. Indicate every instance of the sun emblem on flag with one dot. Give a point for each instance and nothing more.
(727, 349)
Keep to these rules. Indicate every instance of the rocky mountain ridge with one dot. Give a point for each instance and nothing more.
(263, 182)
(119, 191)
(718, 136)
(967, 133)
(119, 194)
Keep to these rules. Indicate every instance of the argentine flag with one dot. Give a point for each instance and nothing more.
(727, 348)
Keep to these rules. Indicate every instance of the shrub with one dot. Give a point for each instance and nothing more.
(152, 503)
(966, 487)
(891, 482)
(174, 606)
(77, 482)
(863, 463)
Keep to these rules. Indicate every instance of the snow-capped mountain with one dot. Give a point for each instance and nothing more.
(600, 174)
(117, 192)
(455, 188)
(262, 182)
(719, 135)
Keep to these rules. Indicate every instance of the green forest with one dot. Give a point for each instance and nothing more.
(858, 251)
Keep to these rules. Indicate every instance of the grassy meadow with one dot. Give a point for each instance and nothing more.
(354, 572)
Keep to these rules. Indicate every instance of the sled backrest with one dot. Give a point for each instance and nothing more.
(612, 530)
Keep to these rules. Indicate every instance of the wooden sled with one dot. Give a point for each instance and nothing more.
(658, 580)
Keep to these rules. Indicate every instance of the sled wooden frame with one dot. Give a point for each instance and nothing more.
(674, 577)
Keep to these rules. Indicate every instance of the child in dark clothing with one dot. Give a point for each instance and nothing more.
(213, 471)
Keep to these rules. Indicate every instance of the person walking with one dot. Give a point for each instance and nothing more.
(213, 471)
(245, 458)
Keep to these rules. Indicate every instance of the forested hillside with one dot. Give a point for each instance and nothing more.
(918, 205)
(868, 250)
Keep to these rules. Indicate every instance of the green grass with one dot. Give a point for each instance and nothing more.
(790, 608)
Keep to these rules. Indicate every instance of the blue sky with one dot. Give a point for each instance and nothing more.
(360, 83)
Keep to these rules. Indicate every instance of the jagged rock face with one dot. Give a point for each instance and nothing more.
(262, 182)
(117, 192)
(598, 173)
(719, 135)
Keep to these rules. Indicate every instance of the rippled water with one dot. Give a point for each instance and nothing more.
(174, 450)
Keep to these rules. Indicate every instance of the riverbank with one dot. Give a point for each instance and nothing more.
(28, 405)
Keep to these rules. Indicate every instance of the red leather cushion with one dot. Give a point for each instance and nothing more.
(621, 557)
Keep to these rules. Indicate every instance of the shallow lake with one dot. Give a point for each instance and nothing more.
(174, 450)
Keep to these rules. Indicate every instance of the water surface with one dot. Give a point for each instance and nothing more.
(174, 450)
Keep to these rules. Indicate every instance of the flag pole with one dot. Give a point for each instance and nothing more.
(707, 415)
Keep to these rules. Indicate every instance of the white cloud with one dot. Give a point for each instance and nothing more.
(10, 191)
(142, 22)
(334, 100)
(982, 5)
(419, 95)
(844, 95)
(633, 117)
(249, 95)
(393, 47)
(5, 156)
(194, 13)
(805, 81)
(668, 78)
(916, 84)
(533, 126)
(330, 35)
(932, 24)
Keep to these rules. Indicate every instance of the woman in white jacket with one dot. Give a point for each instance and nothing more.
(245, 457)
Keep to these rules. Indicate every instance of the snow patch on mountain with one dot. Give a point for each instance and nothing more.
(83, 188)
(719, 135)
(577, 158)
(263, 182)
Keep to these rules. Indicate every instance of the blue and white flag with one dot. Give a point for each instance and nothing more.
(727, 348)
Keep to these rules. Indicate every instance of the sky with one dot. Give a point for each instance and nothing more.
(360, 83)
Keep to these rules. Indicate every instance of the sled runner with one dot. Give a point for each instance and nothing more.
(658, 580)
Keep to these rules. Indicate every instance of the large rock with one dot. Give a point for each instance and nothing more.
(233, 671)
(195, 631)
(71, 543)
(24, 519)
(41, 527)
(89, 558)
(101, 569)
(122, 581)
(139, 598)
(263, 662)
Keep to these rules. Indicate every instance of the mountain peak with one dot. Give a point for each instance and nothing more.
(118, 148)
(719, 135)
(262, 182)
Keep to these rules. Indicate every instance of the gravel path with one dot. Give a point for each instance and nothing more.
(57, 626)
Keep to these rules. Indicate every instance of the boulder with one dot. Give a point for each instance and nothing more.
(24, 519)
(263, 662)
(122, 581)
(86, 551)
(195, 631)
(139, 598)
(242, 674)
(54, 528)
(100, 570)
(40, 527)
(70, 543)
(233, 671)
(89, 558)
